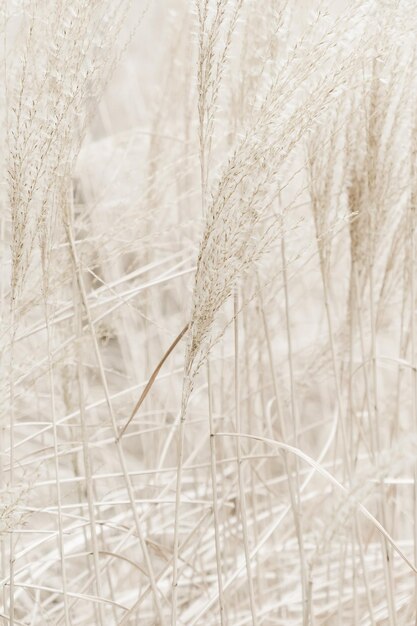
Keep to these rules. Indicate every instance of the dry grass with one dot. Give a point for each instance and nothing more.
(208, 334)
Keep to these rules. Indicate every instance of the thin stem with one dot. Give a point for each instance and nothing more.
(323, 472)
(180, 462)
(56, 466)
(335, 371)
(295, 421)
(413, 361)
(387, 555)
(89, 479)
(215, 498)
(292, 487)
(12, 452)
(118, 442)
(242, 496)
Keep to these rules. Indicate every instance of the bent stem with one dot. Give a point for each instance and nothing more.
(323, 472)
(152, 379)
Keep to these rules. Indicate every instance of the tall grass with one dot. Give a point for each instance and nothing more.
(208, 335)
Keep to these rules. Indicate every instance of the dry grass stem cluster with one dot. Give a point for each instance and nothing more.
(208, 333)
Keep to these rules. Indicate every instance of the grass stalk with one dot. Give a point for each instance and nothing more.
(387, 555)
(241, 483)
(118, 442)
(213, 468)
(89, 479)
(61, 542)
(296, 426)
(176, 547)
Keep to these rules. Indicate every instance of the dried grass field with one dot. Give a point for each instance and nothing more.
(208, 335)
